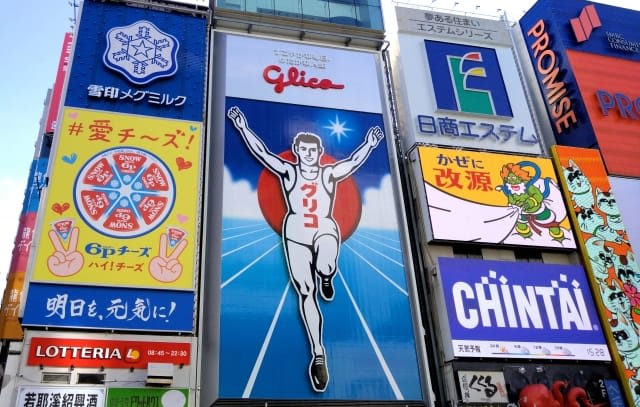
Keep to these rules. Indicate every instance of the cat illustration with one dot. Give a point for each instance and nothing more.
(606, 202)
(601, 257)
(626, 336)
(579, 186)
(592, 222)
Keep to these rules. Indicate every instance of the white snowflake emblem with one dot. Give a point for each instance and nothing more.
(141, 52)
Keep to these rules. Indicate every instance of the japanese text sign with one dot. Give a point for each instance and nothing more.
(494, 198)
(507, 309)
(140, 61)
(108, 308)
(120, 208)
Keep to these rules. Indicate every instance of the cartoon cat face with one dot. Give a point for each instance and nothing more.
(601, 256)
(577, 183)
(627, 269)
(606, 202)
(615, 299)
(579, 186)
(589, 220)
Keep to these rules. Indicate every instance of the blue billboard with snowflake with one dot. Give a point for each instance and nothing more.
(140, 61)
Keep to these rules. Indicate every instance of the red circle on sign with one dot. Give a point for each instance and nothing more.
(347, 205)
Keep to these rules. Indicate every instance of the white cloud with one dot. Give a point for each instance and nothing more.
(239, 199)
(379, 206)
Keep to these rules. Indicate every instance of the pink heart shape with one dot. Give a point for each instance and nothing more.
(73, 115)
(182, 218)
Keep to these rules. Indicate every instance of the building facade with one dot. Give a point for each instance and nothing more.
(331, 203)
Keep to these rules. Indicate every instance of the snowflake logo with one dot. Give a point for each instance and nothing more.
(141, 52)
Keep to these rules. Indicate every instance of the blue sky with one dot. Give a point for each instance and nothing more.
(33, 32)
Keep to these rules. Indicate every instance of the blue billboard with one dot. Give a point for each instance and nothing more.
(520, 310)
(71, 306)
(140, 61)
(315, 302)
(472, 81)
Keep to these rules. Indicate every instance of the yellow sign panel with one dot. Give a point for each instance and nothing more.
(121, 206)
(494, 198)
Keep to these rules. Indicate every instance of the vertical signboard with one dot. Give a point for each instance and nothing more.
(501, 309)
(56, 95)
(542, 31)
(612, 263)
(494, 198)
(10, 327)
(460, 85)
(122, 203)
(314, 295)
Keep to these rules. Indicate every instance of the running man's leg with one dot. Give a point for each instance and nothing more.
(326, 249)
(300, 263)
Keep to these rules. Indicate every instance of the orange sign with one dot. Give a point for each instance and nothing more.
(610, 89)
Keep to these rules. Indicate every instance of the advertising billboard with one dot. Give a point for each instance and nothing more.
(612, 263)
(314, 296)
(10, 327)
(120, 208)
(493, 198)
(459, 84)
(56, 95)
(76, 306)
(140, 396)
(104, 353)
(556, 34)
(60, 395)
(140, 61)
(610, 89)
(503, 309)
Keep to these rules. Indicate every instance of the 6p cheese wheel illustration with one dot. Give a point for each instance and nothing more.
(124, 192)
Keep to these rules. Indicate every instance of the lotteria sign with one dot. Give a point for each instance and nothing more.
(520, 310)
(64, 352)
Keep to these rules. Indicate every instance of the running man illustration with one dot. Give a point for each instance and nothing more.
(310, 234)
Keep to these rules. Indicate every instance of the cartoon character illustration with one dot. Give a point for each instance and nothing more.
(626, 336)
(579, 186)
(592, 222)
(522, 192)
(615, 301)
(601, 257)
(628, 273)
(310, 234)
(65, 262)
(606, 202)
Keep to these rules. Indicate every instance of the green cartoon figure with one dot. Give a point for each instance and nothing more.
(530, 197)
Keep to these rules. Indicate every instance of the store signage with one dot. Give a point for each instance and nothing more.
(295, 77)
(520, 310)
(76, 396)
(472, 82)
(64, 352)
(546, 64)
(585, 23)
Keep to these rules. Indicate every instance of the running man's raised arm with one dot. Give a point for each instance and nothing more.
(255, 144)
(347, 166)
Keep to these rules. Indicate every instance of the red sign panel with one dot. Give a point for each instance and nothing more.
(610, 89)
(64, 352)
(56, 96)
